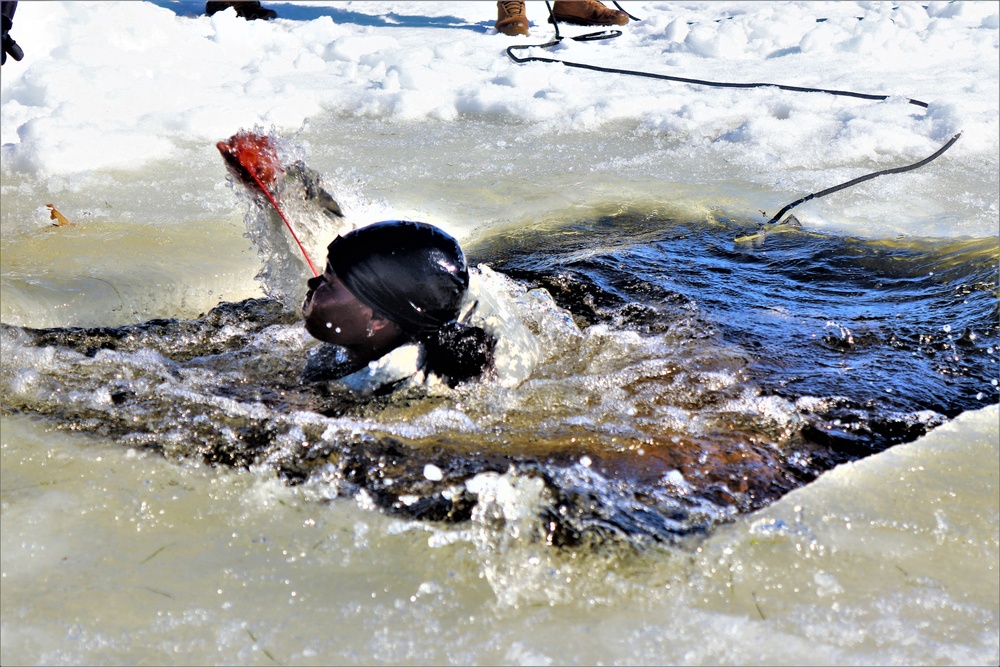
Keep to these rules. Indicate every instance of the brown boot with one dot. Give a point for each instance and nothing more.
(511, 19)
(587, 12)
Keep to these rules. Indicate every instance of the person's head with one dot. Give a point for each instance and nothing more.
(395, 281)
(334, 315)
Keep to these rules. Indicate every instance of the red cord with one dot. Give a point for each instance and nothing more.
(267, 194)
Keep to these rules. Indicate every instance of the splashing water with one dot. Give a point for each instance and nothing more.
(685, 379)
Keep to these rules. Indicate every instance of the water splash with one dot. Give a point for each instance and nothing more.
(683, 381)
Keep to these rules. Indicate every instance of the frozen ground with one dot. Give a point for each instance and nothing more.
(107, 88)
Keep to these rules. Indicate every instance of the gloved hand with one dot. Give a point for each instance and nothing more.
(6, 23)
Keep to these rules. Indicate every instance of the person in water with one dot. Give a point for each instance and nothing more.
(391, 285)
(396, 305)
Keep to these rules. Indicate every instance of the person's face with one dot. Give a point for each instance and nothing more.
(334, 315)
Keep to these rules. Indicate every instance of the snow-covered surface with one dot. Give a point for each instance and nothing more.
(108, 86)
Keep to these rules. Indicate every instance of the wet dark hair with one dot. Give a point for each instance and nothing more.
(415, 275)
(458, 352)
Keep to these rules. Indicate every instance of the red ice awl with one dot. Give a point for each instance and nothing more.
(252, 158)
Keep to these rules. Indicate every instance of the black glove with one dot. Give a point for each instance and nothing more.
(6, 23)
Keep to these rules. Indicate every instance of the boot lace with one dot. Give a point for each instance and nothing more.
(513, 8)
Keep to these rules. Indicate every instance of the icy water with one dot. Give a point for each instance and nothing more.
(170, 493)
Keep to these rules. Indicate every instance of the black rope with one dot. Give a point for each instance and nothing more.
(589, 37)
(866, 177)
(608, 34)
(552, 20)
(680, 79)
(622, 10)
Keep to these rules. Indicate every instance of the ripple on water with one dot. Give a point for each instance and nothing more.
(684, 379)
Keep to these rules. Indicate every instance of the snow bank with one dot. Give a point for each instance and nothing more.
(117, 85)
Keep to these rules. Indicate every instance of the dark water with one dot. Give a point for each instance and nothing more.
(704, 378)
(881, 329)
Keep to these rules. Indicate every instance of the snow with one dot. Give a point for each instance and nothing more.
(108, 86)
